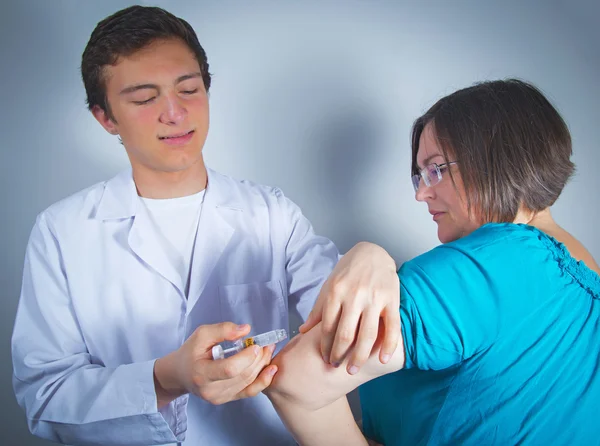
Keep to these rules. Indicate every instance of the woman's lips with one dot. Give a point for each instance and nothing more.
(437, 215)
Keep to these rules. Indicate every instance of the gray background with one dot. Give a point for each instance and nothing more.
(316, 97)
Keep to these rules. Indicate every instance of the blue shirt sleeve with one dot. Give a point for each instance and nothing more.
(449, 307)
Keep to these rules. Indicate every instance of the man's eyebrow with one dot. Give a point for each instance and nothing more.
(133, 88)
(185, 77)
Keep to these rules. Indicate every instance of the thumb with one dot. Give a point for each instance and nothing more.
(315, 316)
(209, 335)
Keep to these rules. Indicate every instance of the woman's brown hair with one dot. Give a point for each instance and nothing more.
(511, 145)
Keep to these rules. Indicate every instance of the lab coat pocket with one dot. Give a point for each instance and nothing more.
(259, 304)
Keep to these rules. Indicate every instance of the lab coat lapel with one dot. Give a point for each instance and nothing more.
(145, 243)
(120, 201)
(213, 236)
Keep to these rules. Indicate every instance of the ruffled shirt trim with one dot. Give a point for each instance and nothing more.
(577, 269)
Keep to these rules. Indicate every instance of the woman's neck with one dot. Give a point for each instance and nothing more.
(544, 221)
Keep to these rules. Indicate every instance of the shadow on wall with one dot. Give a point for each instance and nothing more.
(348, 144)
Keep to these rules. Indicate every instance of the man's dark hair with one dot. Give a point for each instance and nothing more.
(126, 32)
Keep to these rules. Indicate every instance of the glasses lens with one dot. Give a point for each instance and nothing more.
(416, 180)
(433, 173)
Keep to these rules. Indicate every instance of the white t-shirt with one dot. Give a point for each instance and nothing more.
(176, 223)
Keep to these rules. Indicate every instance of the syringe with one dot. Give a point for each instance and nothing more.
(263, 339)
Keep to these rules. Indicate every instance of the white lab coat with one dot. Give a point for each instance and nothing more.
(100, 302)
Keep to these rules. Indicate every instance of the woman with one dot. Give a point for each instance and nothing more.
(500, 323)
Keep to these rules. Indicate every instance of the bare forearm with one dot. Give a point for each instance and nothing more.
(330, 425)
(165, 383)
(305, 380)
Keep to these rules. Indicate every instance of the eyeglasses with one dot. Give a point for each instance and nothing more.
(431, 174)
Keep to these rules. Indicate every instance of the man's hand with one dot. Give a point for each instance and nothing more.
(362, 289)
(191, 369)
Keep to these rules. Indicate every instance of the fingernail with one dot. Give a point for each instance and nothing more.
(326, 359)
(353, 370)
(240, 327)
(256, 350)
(336, 364)
(272, 348)
(385, 358)
(272, 371)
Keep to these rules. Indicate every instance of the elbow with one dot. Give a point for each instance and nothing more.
(294, 384)
(28, 398)
(35, 428)
(282, 387)
(280, 394)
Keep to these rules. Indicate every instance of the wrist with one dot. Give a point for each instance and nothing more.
(166, 381)
(384, 257)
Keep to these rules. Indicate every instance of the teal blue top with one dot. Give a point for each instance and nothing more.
(501, 333)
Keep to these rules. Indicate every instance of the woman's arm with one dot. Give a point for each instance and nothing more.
(332, 425)
(360, 296)
(305, 379)
(309, 394)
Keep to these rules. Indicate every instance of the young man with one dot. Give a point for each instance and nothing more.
(128, 284)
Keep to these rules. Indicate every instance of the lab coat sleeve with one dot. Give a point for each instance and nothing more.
(310, 259)
(66, 398)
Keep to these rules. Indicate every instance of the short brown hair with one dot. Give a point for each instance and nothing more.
(511, 145)
(125, 32)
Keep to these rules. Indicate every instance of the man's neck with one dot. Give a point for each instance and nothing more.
(162, 185)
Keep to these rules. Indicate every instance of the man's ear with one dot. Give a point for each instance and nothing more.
(105, 120)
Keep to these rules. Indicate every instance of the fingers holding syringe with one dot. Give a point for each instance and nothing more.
(232, 375)
(264, 380)
(261, 375)
(233, 367)
(205, 336)
(249, 375)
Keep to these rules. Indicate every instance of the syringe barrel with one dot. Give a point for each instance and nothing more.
(263, 339)
(268, 338)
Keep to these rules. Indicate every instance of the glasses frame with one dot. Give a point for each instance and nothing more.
(424, 174)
